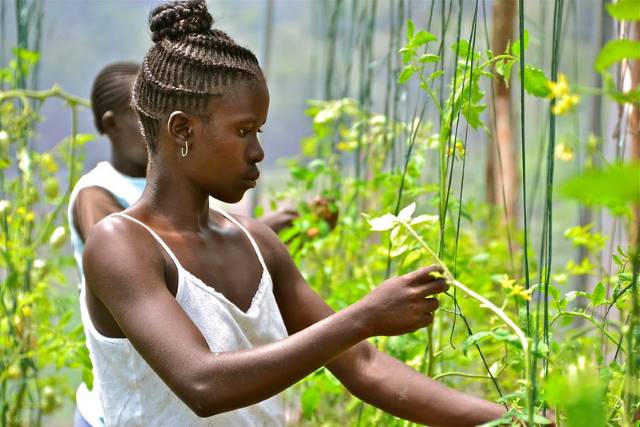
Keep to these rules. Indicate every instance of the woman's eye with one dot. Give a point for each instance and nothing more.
(243, 132)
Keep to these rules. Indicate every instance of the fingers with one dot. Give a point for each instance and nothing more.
(431, 305)
(288, 212)
(428, 319)
(423, 275)
(435, 287)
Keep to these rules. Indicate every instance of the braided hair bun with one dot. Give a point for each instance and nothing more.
(188, 64)
(178, 18)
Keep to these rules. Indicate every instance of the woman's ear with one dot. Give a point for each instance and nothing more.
(108, 121)
(179, 125)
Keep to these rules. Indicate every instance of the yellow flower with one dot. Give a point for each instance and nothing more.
(519, 291)
(565, 104)
(344, 146)
(458, 149)
(48, 162)
(564, 152)
(26, 311)
(506, 282)
(559, 88)
(30, 216)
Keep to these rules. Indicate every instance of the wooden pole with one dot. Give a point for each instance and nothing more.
(501, 172)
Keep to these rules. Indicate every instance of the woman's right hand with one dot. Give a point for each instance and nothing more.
(401, 304)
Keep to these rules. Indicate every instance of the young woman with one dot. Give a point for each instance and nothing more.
(198, 319)
(116, 184)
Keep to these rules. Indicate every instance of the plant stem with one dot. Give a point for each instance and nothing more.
(461, 374)
(483, 301)
(55, 91)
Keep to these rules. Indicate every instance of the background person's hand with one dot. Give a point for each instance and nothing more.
(280, 219)
(401, 305)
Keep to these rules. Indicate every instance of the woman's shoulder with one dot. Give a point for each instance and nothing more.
(117, 244)
(114, 229)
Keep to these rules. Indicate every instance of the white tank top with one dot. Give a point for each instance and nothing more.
(126, 190)
(132, 394)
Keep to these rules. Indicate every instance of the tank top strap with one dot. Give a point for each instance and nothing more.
(155, 236)
(249, 236)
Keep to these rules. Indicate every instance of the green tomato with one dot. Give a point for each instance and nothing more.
(13, 372)
(51, 187)
(49, 401)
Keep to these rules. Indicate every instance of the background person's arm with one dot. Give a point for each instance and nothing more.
(90, 206)
(279, 219)
(369, 374)
(134, 290)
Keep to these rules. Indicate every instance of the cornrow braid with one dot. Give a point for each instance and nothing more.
(111, 90)
(189, 63)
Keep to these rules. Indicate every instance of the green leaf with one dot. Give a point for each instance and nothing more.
(535, 81)
(83, 138)
(435, 75)
(406, 74)
(429, 57)
(410, 29)
(383, 223)
(461, 48)
(599, 296)
(309, 146)
(26, 56)
(412, 257)
(615, 187)
(407, 53)
(537, 419)
(300, 173)
(503, 68)
(515, 47)
(611, 89)
(500, 335)
(310, 399)
(399, 250)
(432, 219)
(406, 213)
(615, 51)
(625, 10)
(423, 37)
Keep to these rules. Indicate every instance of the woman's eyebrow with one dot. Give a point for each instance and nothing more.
(248, 119)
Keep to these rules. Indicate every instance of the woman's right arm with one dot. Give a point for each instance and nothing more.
(133, 289)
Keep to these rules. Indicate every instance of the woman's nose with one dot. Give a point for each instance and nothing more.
(255, 151)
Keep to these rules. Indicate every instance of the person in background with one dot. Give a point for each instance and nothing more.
(115, 185)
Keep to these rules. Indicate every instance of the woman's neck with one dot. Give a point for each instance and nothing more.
(171, 199)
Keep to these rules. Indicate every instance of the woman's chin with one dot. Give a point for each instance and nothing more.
(230, 198)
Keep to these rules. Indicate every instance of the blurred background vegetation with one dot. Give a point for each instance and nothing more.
(410, 105)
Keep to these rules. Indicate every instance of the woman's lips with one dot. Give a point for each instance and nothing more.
(252, 178)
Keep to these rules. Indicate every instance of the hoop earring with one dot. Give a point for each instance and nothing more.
(185, 150)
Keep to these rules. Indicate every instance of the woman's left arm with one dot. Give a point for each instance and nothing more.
(398, 389)
(369, 374)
